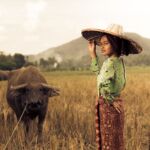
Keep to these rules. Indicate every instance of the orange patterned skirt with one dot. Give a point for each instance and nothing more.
(109, 126)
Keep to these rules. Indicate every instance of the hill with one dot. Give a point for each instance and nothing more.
(77, 49)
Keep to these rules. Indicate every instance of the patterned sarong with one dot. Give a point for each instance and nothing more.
(109, 126)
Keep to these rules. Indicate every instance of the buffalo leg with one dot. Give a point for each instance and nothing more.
(40, 127)
(26, 130)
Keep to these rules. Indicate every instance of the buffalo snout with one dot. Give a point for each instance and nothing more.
(35, 106)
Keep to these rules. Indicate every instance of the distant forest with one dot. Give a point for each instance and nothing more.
(10, 62)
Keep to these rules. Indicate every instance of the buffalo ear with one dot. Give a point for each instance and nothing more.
(53, 92)
(19, 89)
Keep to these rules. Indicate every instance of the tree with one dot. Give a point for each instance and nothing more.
(19, 59)
(43, 63)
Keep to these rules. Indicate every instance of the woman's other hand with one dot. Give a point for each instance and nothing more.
(117, 106)
(92, 49)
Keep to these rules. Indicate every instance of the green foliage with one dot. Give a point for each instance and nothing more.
(49, 64)
(19, 60)
(83, 63)
(138, 60)
(8, 62)
(8, 65)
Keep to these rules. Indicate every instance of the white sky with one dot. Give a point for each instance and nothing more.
(31, 26)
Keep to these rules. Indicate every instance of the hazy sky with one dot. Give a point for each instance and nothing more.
(31, 26)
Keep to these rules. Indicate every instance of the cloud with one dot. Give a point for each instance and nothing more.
(2, 29)
(33, 12)
(31, 38)
(30, 26)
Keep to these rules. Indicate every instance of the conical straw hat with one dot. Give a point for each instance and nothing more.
(115, 30)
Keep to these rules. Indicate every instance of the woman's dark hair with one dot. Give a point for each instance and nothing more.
(118, 44)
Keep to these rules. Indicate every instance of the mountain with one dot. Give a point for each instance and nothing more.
(144, 42)
(76, 49)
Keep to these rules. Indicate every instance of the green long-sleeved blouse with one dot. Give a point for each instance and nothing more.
(110, 78)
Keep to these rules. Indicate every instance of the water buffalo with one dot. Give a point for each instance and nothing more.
(27, 88)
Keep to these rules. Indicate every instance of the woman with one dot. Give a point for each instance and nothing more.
(110, 83)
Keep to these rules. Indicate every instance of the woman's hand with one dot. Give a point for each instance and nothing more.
(117, 106)
(92, 49)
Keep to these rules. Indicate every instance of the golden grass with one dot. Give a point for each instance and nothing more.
(70, 118)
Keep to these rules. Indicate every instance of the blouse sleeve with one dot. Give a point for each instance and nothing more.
(95, 65)
(106, 87)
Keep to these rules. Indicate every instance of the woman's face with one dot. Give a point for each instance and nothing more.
(105, 46)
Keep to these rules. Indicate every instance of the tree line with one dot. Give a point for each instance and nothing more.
(10, 62)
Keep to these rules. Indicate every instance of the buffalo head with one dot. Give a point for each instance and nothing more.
(34, 95)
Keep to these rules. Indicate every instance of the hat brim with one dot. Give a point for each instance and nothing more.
(132, 46)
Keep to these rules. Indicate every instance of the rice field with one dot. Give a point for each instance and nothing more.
(70, 121)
